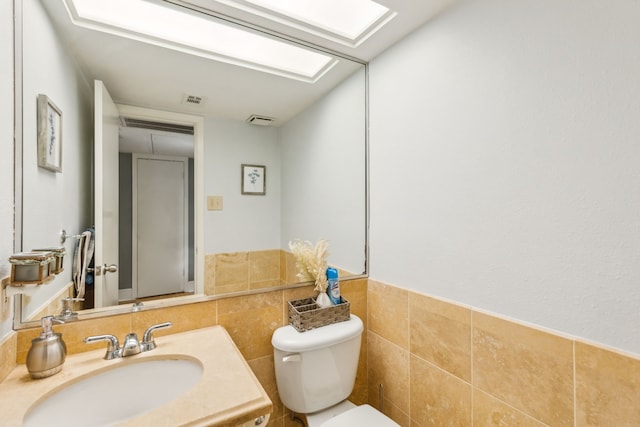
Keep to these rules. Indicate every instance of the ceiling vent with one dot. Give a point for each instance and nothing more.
(257, 120)
(192, 99)
(159, 126)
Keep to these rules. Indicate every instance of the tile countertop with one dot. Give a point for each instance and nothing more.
(228, 393)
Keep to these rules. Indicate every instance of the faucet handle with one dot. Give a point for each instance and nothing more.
(148, 343)
(113, 350)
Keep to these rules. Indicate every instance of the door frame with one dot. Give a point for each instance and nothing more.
(197, 122)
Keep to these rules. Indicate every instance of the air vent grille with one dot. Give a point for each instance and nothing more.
(192, 99)
(257, 120)
(160, 126)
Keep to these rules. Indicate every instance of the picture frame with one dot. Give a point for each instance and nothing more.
(254, 179)
(49, 135)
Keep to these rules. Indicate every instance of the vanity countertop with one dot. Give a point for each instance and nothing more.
(228, 393)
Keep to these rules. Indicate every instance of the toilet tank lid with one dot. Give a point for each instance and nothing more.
(287, 338)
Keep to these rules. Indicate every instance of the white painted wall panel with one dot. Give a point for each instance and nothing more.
(504, 163)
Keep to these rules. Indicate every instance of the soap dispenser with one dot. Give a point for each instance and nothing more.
(47, 353)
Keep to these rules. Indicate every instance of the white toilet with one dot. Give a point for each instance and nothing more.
(316, 371)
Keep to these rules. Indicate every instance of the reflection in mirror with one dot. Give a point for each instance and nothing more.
(313, 152)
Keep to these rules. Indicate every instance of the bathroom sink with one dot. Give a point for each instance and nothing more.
(112, 395)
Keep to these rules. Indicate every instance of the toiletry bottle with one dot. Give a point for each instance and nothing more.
(48, 351)
(333, 286)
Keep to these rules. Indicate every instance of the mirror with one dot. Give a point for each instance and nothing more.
(313, 155)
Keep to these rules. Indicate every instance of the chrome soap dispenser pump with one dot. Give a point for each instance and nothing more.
(47, 353)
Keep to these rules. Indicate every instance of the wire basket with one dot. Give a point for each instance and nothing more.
(306, 314)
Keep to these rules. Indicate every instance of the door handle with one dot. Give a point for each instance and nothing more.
(103, 269)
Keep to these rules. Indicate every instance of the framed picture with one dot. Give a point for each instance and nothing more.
(49, 135)
(254, 179)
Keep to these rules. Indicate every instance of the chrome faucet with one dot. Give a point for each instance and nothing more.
(131, 345)
(67, 312)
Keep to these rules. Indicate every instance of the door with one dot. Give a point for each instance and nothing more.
(106, 125)
(160, 225)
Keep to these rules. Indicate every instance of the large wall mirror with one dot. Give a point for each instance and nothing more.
(214, 166)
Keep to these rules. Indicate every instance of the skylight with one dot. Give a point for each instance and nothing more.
(174, 28)
(346, 22)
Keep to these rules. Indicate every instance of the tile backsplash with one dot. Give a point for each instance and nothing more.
(244, 271)
(439, 363)
(249, 319)
(444, 364)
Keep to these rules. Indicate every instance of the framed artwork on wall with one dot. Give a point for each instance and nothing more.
(49, 135)
(254, 179)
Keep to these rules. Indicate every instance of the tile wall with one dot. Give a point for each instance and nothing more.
(250, 321)
(443, 364)
(244, 271)
(440, 364)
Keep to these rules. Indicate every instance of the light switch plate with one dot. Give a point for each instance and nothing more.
(214, 203)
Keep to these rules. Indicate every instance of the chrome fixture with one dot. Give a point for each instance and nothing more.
(103, 269)
(67, 312)
(148, 343)
(113, 350)
(131, 346)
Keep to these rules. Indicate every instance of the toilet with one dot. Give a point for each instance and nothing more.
(316, 371)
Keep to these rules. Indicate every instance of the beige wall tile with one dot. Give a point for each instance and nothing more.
(183, 318)
(264, 266)
(8, 348)
(355, 291)
(73, 334)
(388, 364)
(529, 369)
(607, 388)
(275, 422)
(264, 370)
(438, 398)
(209, 274)
(288, 263)
(265, 284)
(232, 269)
(491, 412)
(440, 333)
(360, 393)
(388, 312)
(251, 320)
(231, 288)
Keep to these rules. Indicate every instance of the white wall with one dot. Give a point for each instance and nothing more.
(6, 155)
(54, 201)
(247, 222)
(505, 163)
(323, 190)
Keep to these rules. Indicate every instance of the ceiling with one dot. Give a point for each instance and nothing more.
(411, 14)
(146, 75)
(142, 74)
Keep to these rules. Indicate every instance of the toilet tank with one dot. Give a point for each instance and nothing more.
(316, 369)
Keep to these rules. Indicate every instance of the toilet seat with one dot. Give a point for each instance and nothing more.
(363, 415)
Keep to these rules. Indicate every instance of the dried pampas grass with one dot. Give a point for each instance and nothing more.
(311, 261)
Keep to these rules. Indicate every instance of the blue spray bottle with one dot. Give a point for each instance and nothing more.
(333, 286)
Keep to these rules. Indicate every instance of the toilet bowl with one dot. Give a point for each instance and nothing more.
(316, 372)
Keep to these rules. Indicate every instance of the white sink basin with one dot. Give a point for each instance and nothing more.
(113, 395)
